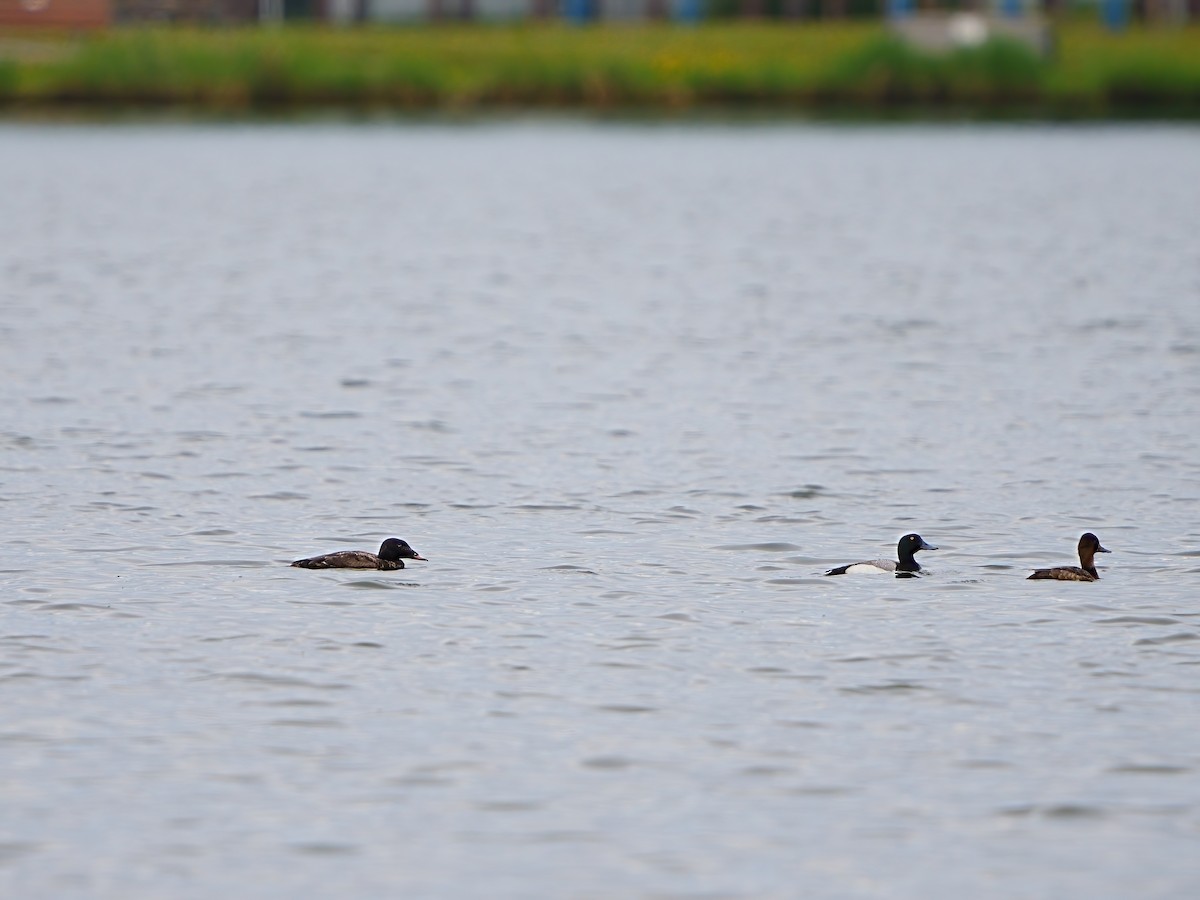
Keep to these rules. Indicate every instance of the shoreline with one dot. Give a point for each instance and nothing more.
(836, 70)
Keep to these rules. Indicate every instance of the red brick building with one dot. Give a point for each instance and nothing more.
(55, 13)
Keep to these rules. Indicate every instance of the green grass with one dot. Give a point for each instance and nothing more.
(1152, 70)
(850, 66)
(887, 72)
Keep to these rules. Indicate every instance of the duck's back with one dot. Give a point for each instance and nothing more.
(870, 566)
(1063, 573)
(348, 559)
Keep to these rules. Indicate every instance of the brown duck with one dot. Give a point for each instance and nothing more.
(1089, 546)
(391, 555)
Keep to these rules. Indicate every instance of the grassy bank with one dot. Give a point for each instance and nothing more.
(827, 66)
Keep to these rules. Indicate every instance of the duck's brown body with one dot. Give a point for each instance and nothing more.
(349, 559)
(391, 556)
(1066, 573)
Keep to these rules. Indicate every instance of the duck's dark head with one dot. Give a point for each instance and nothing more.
(1090, 544)
(911, 543)
(393, 549)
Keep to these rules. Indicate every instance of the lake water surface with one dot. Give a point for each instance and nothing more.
(631, 390)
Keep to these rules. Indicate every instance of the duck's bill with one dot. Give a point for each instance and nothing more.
(927, 546)
(1102, 550)
(418, 556)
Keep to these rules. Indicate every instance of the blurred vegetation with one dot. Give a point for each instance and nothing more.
(888, 72)
(851, 66)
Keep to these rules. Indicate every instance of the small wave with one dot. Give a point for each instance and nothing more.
(334, 414)
(765, 547)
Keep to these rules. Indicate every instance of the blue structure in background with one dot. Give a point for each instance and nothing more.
(688, 10)
(578, 11)
(1115, 14)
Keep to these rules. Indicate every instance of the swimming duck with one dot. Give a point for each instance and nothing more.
(1089, 546)
(392, 554)
(906, 567)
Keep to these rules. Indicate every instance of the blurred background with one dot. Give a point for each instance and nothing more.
(1096, 59)
(632, 319)
(1114, 12)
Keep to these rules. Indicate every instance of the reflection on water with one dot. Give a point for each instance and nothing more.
(631, 390)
